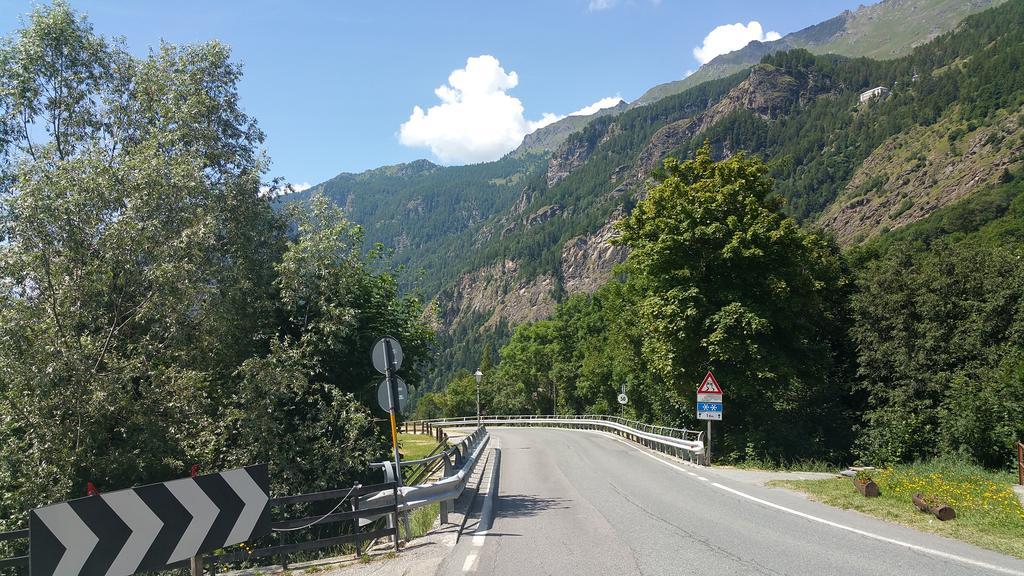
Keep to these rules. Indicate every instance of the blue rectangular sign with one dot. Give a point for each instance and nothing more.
(709, 407)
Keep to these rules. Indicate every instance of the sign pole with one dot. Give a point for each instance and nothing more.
(389, 359)
(392, 365)
(707, 445)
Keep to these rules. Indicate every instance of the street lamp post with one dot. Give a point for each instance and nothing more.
(478, 375)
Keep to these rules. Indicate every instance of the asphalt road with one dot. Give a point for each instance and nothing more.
(576, 502)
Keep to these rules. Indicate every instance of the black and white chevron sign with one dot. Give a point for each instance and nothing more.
(124, 532)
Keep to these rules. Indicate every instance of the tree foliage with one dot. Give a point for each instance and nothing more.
(155, 311)
(720, 279)
(940, 333)
(731, 285)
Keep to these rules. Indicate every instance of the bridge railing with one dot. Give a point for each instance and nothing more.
(680, 442)
(458, 462)
(19, 561)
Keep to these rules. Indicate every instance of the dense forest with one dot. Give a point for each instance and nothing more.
(908, 347)
(156, 312)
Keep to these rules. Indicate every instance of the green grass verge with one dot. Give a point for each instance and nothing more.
(786, 466)
(421, 520)
(415, 446)
(988, 512)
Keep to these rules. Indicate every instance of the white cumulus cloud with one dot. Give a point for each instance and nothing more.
(597, 5)
(729, 37)
(476, 120)
(606, 102)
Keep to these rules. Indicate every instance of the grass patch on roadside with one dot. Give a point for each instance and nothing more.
(988, 512)
(775, 466)
(421, 520)
(415, 446)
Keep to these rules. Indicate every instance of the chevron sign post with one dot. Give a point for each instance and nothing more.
(146, 528)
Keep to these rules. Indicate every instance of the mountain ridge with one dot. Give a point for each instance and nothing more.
(848, 34)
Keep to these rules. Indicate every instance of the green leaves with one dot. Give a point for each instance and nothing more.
(939, 334)
(729, 284)
(155, 313)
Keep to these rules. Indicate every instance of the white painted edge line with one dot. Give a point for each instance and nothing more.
(915, 547)
(486, 511)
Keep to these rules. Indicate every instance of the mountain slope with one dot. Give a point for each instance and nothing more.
(889, 29)
(544, 140)
(423, 211)
(952, 125)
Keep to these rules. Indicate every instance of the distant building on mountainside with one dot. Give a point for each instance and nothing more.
(878, 91)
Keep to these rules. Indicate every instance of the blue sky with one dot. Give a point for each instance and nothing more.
(332, 83)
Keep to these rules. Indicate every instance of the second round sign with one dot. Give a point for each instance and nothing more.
(382, 395)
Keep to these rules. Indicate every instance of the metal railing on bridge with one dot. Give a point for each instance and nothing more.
(679, 442)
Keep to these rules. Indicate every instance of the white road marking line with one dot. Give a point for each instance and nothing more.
(864, 533)
(480, 536)
(703, 478)
(487, 510)
(914, 547)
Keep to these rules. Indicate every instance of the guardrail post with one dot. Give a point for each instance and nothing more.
(356, 529)
(1020, 463)
(393, 518)
(444, 503)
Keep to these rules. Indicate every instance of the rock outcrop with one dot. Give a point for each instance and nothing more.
(569, 156)
(497, 292)
(768, 92)
(589, 260)
(915, 173)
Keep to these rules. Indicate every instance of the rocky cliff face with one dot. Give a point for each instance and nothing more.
(588, 260)
(497, 292)
(569, 156)
(913, 174)
(768, 92)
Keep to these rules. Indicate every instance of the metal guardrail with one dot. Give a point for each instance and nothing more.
(356, 514)
(459, 462)
(680, 442)
(14, 561)
(421, 471)
(1020, 463)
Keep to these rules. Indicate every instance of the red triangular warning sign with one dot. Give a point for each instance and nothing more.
(709, 385)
